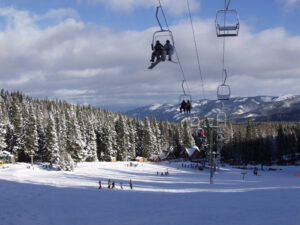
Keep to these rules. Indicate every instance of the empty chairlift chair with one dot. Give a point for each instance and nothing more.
(224, 91)
(227, 23)
(195, 122)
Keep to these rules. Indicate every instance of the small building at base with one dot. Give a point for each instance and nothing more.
(141, 159)
(190, 153)
(113, 159)
(7, 157)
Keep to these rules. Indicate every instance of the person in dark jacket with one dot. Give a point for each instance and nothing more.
(113, 185)
(188, 106)
(130, 184)
(183, 106)
(157, 51)
(168, 50)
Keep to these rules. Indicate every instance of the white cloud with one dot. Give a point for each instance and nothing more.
(290, 5)
(172, 6)
(82, 63)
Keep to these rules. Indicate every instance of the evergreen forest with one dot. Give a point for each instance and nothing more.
(64, 134)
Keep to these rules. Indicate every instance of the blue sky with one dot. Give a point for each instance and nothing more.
(97, 52)
(260, 14)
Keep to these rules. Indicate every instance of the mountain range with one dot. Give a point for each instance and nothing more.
(238, 109)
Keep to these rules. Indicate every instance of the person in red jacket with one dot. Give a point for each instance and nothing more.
(100, 184)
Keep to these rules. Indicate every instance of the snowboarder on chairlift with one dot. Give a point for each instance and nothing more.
(188, 106)
(157, 51)
(168, 51)
(183, 106)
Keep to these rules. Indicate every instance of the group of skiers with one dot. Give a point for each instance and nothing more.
(112, 185)
(161, 51)
(163, 173)
(186, 106)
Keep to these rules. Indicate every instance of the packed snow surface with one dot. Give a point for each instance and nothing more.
(44, 197)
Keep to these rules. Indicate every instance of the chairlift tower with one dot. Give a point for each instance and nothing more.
(212, 154)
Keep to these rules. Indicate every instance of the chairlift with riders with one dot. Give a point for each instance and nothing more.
(185, 99)
(164, 38)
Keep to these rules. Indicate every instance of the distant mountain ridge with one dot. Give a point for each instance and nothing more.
(239, 109)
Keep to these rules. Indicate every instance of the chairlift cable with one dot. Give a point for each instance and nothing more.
(196, 48)
(226, 6)
(175, 50)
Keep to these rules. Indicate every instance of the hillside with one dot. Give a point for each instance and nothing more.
(259, 108)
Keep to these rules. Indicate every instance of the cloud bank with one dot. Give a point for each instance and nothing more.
(87, 64)
(175, 7)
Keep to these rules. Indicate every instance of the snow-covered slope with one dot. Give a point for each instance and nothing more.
(259, 108)
(45, 197)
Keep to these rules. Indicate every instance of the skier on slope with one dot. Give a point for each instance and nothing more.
(108, 184)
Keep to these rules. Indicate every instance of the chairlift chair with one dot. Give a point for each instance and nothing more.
(186, 97)
(223, 92)
(221, 117)
(195, 122)
(162, 36)
(227, 23)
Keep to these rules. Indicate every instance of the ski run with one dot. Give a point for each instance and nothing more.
(165, 193)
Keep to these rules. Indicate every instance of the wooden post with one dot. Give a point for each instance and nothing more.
(31, 156)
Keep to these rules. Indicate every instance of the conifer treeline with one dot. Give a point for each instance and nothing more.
(263, 143)
(58, 132)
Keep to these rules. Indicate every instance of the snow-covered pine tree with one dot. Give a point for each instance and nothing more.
(165, 135)
(65, 161)
(91, 143)
(3, 144)
(74, 144)
(17, 134)
(120, 138)
(148, 141)
(157, 137)
(51, 142)
(107, 144)
(30, 133)
(188, 139)
(131, 140)
(138, 130)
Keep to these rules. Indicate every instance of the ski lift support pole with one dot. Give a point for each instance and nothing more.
(182, 85)
(211, 154)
